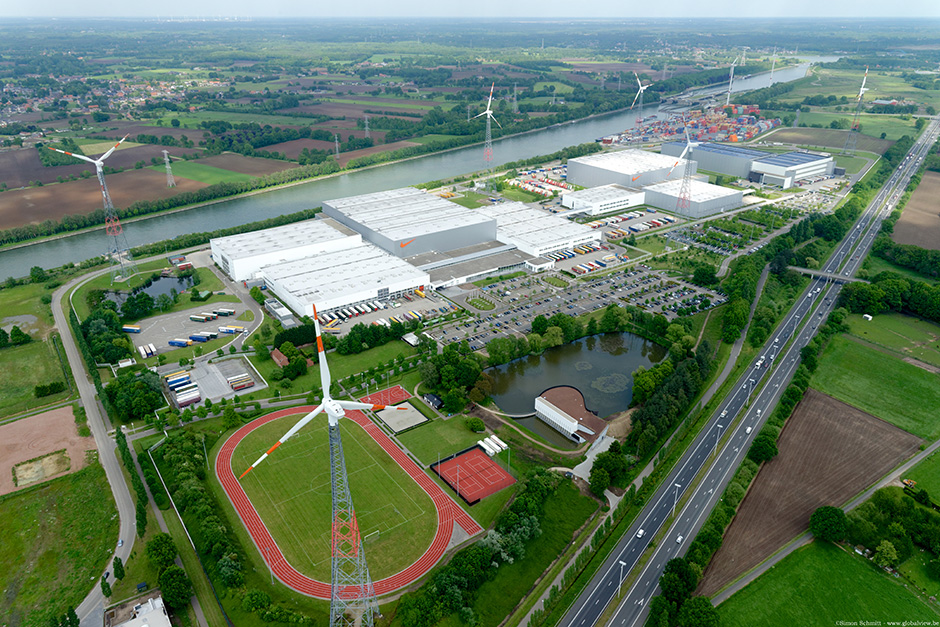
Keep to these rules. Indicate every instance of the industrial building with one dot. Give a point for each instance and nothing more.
(786, 169)
(562, 408)
(705, 198)
(723, 159)
(337, 279)
(535, 232)
(604, 199)
(629, 168)
(472, 263)
(242, 256)
(408, 221)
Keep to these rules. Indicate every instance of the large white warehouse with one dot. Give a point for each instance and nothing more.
(630, 168)
(242, 256)
(408, 221)
(705, 198)
(607, 198)
(535, 232)
(337, 279)
(786, 169)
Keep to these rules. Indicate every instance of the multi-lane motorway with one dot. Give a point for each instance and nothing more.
(686, 497)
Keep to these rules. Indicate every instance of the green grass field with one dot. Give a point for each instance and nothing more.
(557, 282)
(871, 124)
(24, 367)
(471, 200)
(560, 88)
(291, 492)
(905, 335)
(875, 265)
(431, 138)
(54, 543)
(393, 103)
(439, 438)
(520, 195)
(25, 300)
(852, 165)
(208, 174)
(888, 388)
(821, 584)
(927, 475)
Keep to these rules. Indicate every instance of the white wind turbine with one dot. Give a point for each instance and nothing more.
(639, 95)
(730, 81)
(352, 597)
(488, 143)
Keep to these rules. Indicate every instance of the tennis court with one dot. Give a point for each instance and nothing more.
(473, 475)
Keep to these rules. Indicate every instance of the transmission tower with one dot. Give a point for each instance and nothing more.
(367, 127)
(684, 202)
(515, 98)
(352, 596)
(851, 140)
(488, 144)
(336, 143)
(170, 181)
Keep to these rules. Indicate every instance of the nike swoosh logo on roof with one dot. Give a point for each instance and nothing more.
(637, 176)
(403, 244)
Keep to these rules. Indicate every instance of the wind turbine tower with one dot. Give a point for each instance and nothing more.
(488, 142)
(515, 98)
(730, 82)
(119, 253)
(639, 96)
(336, 143)
(685, 190)
(851, 141)
(352, 595)
(170, 181)
(773, 65)
(367, 126)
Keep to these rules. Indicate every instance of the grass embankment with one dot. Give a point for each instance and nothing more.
(55, 542)
(821, 584)
(874, 382)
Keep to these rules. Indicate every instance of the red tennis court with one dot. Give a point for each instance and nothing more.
(389, 396)
(473, 475)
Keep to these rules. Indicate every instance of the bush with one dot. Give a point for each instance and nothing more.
(828, 523)
(475, 424)
(47, 389)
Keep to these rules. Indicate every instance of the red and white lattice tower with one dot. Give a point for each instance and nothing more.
(488, 140)
(851, 140)
(170, 181)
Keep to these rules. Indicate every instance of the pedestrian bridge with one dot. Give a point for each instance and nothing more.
(832, 276)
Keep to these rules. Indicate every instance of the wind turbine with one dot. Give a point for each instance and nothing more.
(730, 81)
(122, 264)
(852, 139)
(488, 143)
(639, 95)
(352, 596)
(684, 200)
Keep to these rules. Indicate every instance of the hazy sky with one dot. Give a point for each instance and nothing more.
(480, 8)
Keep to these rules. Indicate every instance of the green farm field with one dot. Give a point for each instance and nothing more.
(874, 265)
(22, 305)
(24, 367)
(819, 138)
(844, 82)
(906, 336)
(872, 125)
(203, 173)
(927, 475)
(54, 544)
(291, 491)
(439, 438)
(821, 584)
(874, 382)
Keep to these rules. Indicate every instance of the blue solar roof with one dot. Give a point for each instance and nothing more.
(722, 149)
(789, 159)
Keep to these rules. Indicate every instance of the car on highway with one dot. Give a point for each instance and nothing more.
(640, 533)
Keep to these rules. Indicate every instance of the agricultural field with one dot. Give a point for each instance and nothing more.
(822, 584)
(852, 165)
(880, 385)
(202, 172)
(255, 166)
(439, 438)
(872, 124)
(823, 438)
(845, 82)
(22, 306)
(291, 492)
(24, 367)
(927, 475)
(906, 336)
(825, 138)
(54, 543)
(920, 220)
(875, 265)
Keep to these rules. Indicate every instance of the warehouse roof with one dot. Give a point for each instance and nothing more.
(518, 223)
(603, 193)
(406, 212)
(628, 161)
(332, 274)
(282, 238)
(724, 149)
(699, 190)
(792, 159)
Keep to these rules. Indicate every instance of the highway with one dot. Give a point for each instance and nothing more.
(724, 440)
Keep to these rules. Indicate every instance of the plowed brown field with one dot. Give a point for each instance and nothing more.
(920, 221)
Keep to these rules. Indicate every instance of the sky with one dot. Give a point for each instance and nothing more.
(480, 8)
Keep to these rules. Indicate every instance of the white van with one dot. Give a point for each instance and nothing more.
(640, 533)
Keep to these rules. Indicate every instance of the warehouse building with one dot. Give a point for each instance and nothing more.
(604, 199)
(337, 279)
(629, 168)
(786, 169)
(720, 158)
(705, 199)
(242, 256)
(408, 221)
(535, 232)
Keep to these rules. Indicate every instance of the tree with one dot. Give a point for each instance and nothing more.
(255, 600)
(4, 338)
(175, 586)
(230, 418)
(886, 555)
(763, 449)
(828, 523)
(161, 551)
(37, 275)
(475, 424)
(118, 568)
(678, 580)
(257, 294)
(705, 274)
(698, 612)
(933, 569)
(105, 588)
(600, 481)
(18, 338)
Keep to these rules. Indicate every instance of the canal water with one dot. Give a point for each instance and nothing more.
(76, 248)
(600, 367)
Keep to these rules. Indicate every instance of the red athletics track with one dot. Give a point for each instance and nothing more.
(448, 511)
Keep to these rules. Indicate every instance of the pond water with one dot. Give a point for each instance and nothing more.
(160, 285)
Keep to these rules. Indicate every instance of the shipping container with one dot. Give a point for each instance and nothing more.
(179, 342)
(196, 318)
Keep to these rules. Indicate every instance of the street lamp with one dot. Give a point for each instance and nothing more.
(718, 437)
(622, 564)
(676, 500)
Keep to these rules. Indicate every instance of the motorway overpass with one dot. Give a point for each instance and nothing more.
(835, 277)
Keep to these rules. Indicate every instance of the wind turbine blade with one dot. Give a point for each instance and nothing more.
(324, 368)
(639, 84)
(358, 405)
(297, 427)
(482, 114)
(491, 97)
(71, 154)
(113, 148)
(635, 98)
(493, 117)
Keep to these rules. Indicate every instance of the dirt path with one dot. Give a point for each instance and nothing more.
(499, 417)
(704, 324)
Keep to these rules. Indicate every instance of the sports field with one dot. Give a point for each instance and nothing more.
(906, 336)
(291, 492)
(821, 584)
(874, 382)
(439, 438)
(203, 173)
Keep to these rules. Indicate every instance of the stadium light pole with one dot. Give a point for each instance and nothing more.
(676, 500)
(622, 564)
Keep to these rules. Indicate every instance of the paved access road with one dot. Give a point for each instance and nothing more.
(720, 447)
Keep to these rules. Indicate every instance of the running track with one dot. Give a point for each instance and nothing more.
(448, 512)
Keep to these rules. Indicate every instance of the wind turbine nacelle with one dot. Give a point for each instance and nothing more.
(334, 411)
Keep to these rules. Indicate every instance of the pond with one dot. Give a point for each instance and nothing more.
(160, 285)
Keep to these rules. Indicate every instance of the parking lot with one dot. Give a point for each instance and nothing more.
(159, 330)
(429, 307)
(212, 378)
